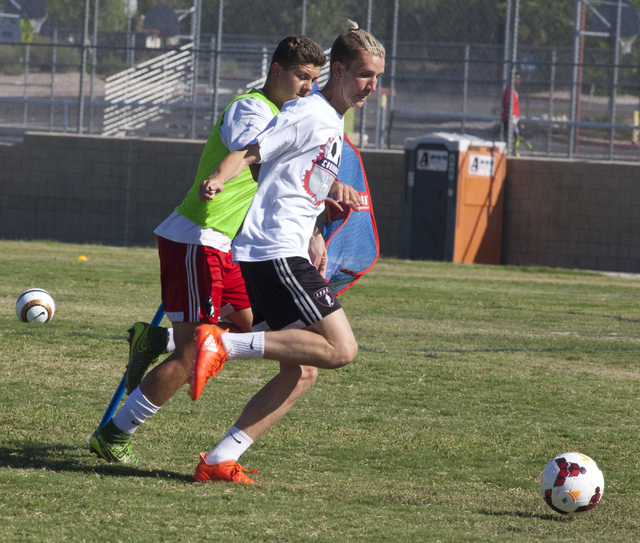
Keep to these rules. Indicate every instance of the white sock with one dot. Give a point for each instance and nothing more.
(171, 345)
(249, 345)
(134, 412)
(230, 447)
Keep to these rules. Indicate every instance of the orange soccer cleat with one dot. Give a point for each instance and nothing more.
(229, 471)
(208, 357)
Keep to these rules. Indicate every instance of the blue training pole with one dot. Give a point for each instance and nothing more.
(115, 401)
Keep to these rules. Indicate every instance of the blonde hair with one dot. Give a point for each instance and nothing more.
(349, 45)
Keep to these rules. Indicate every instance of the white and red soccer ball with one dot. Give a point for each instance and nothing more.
(35, 305)
(572, 483)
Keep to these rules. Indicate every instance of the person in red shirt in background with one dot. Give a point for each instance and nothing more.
(516, 108)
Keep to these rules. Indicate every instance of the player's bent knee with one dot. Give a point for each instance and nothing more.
(303, 376)
(308, 376)
(344, 354)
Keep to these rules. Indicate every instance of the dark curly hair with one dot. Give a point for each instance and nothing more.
(298, 50)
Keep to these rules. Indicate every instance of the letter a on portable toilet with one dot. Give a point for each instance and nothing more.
(453, 199)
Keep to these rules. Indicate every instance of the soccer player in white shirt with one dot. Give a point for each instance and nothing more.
(299, 153)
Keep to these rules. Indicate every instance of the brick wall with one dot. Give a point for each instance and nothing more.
(571, 214)
(90, 189)
(558, 213)
(115, 191)
(385, 176)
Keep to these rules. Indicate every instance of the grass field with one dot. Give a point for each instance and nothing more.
(469, 379)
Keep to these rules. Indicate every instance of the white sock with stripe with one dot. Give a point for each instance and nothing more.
(231, 447)
(134, 412)
(248, 345)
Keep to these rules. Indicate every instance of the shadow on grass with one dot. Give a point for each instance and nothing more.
(65, 458)
(525, 515)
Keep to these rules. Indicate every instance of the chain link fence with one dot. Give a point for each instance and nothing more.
(168, 69)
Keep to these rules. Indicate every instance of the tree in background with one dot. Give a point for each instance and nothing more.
(70, 14)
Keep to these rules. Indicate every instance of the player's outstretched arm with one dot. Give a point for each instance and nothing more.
(346, 194)
(232, 166)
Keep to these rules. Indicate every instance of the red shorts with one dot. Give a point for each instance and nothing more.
(199, 284)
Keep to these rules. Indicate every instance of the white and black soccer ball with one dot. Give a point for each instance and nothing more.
(572, 483)
(35, 305)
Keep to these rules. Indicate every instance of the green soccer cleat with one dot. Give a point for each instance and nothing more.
(113, 445)
(147, 343)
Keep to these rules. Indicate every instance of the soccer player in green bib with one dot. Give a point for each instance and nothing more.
(199, 281)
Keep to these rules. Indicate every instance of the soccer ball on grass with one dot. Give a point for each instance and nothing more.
(572, 483)
(35, 305)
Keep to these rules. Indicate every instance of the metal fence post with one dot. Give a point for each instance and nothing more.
(83, 65)
(54, 59)
(94, 53)
(196, 17)
(363, 110)
(394, 50)
(212, 59)
(25, 105)
(514, 56)
(216, 82)
(574, 79)
(303, 24)
(506, 56)
(128, 39)
(379, 114)
(132, 47)
(465, 86)
(614, 81)
(552, 85)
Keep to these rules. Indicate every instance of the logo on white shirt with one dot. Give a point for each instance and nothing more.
(318, 180)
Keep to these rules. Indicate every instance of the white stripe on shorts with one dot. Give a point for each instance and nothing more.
(300, 297)
(192, 283)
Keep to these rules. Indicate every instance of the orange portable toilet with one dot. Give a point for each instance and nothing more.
(453, 199)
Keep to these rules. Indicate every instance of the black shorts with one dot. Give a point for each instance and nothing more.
(287, 293)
